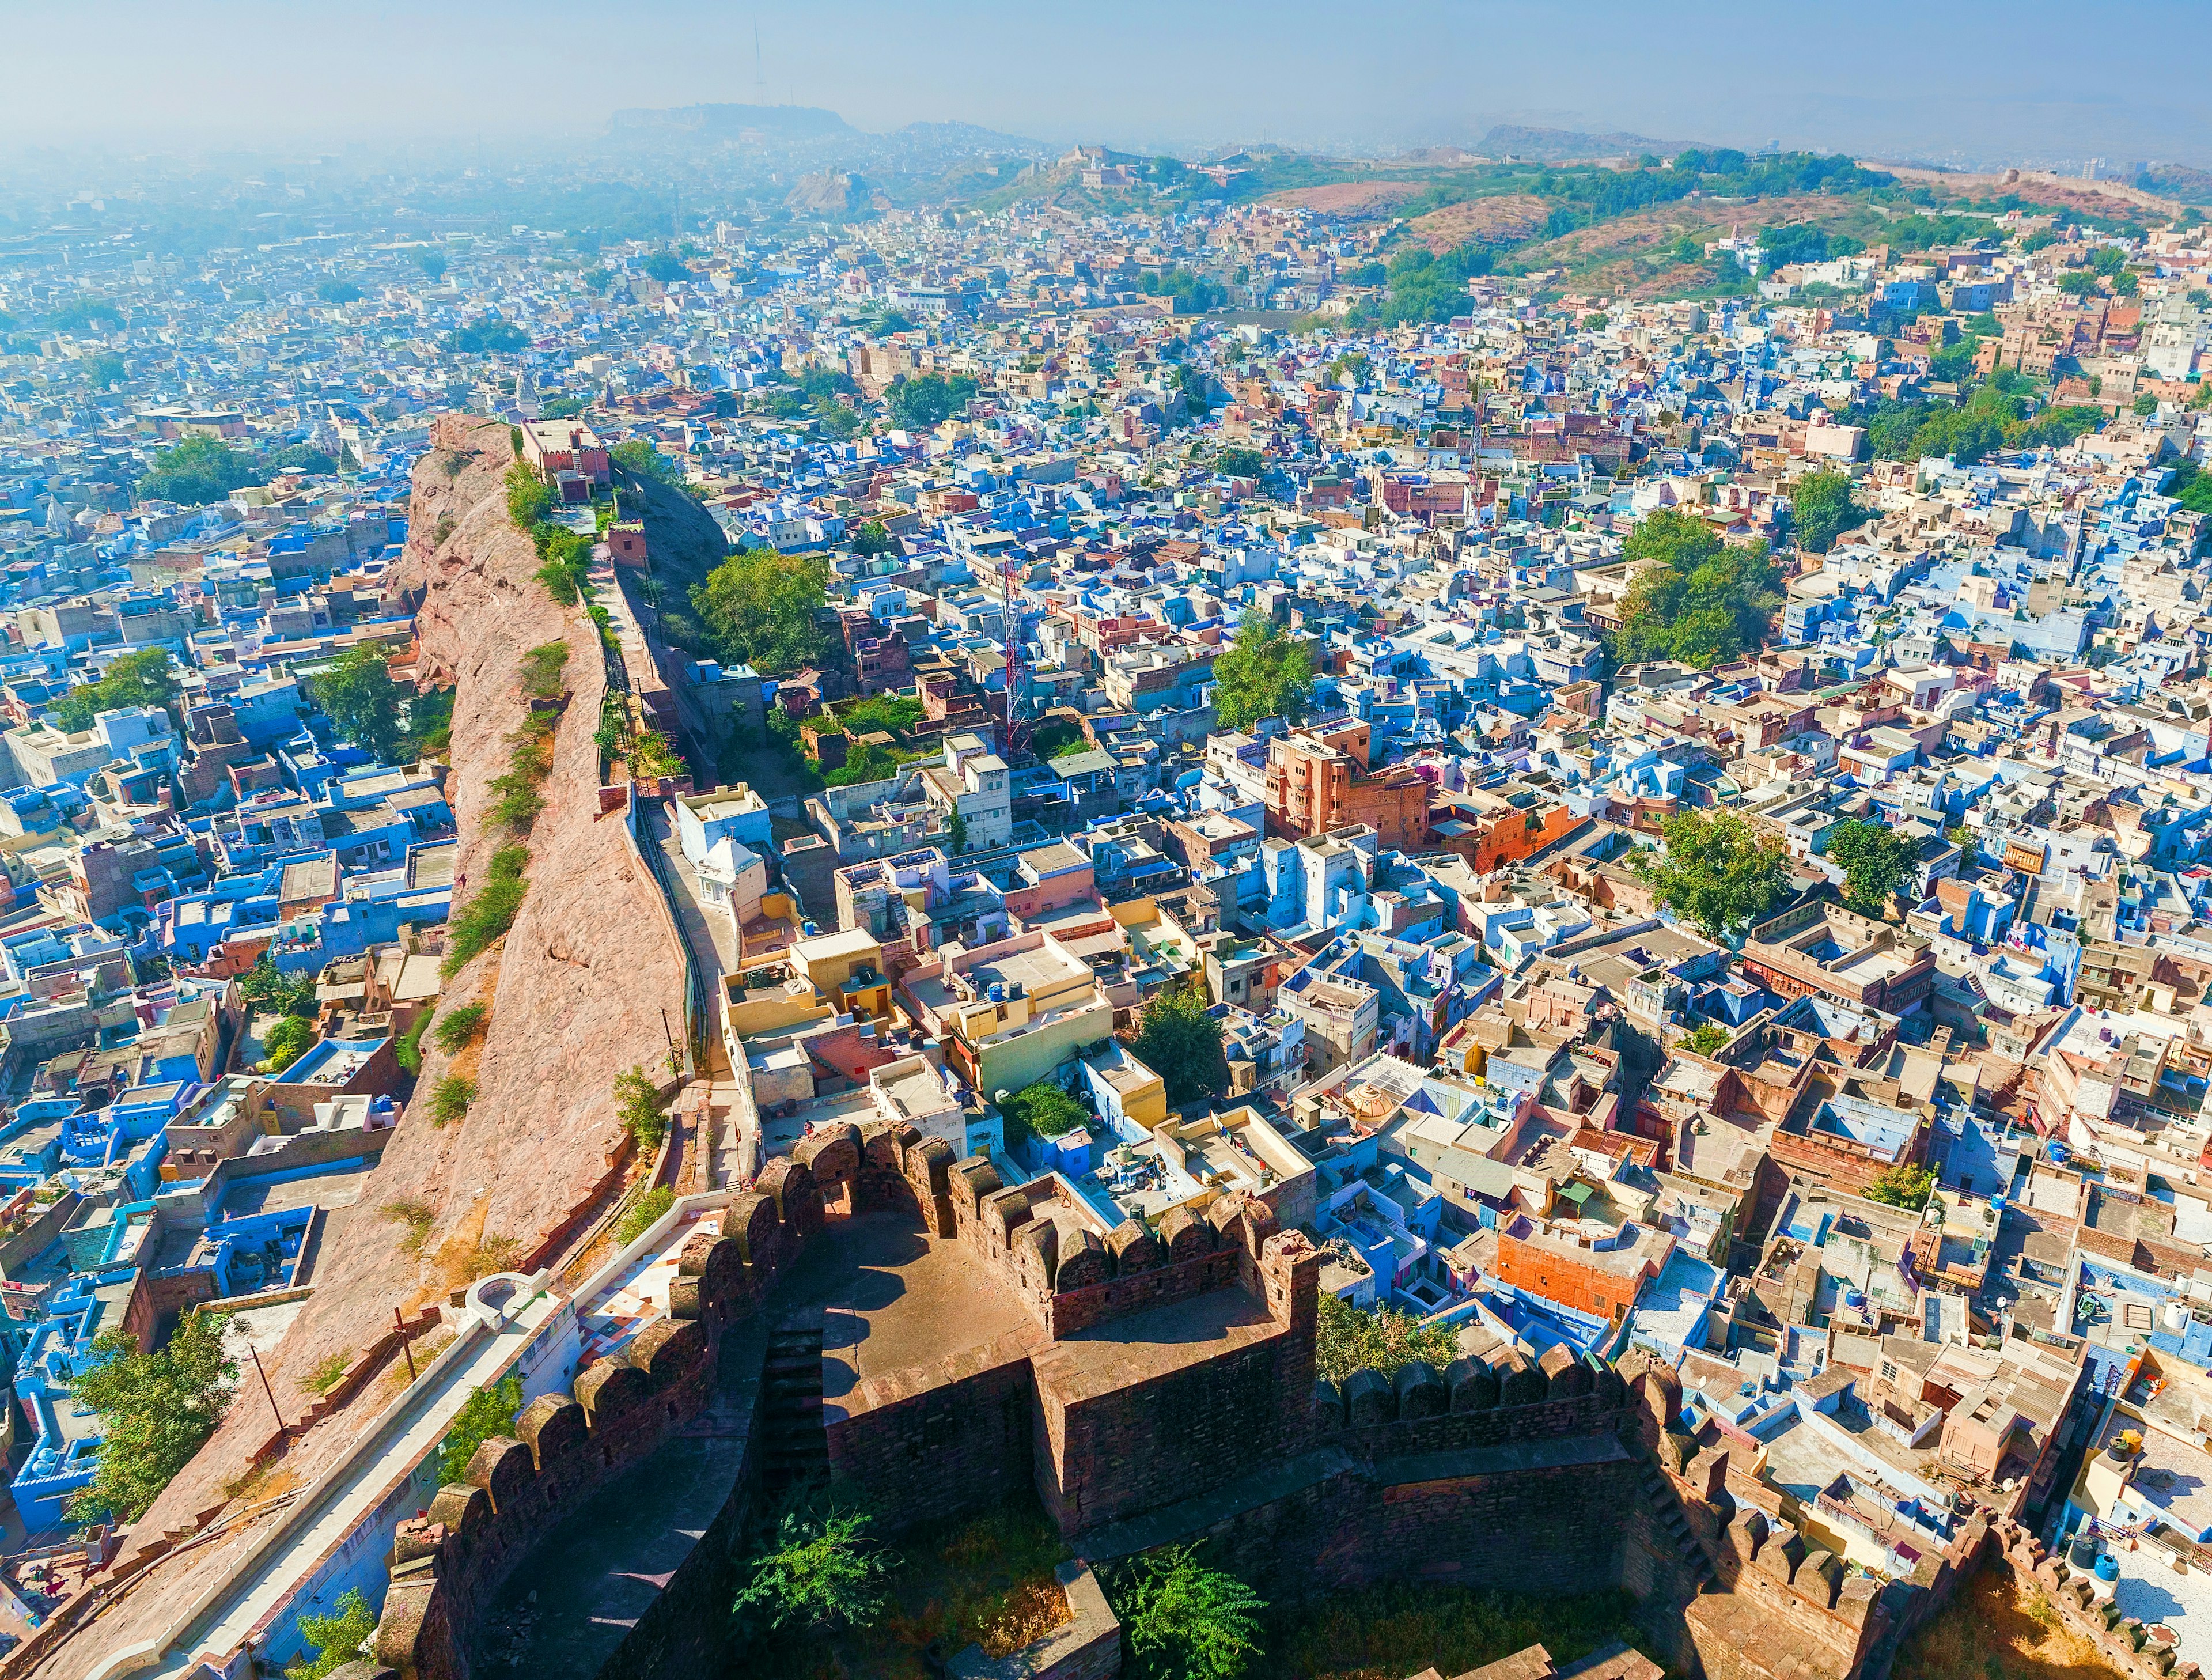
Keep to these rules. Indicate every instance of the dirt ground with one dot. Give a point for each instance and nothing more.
(1348, 198)
(1513, 217)
(1995, 1631)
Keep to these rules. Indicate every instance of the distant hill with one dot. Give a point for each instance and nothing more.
(1556, 144)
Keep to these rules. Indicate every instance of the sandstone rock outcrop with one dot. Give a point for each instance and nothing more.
(577, 988)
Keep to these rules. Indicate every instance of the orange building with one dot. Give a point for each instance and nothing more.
(1318, 780)
(1561, 1266)
(1490, 829)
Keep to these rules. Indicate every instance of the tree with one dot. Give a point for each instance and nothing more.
(362, 700)
(666, 267)
(1708, 1036)
(1240, 463)
(1264, 674)
(2078, 283)
(154, 1412)
(873, 537)
(638, 456)
(1875, 863)
(1348, 1338)
(105, 372)
(927, 399)
(1042, 1109)
(137, 679)
(1902, 1186)
(824, 1571)
(431, 262)
(1821, 509)
(489, 1412)
(759, 606)
(267, 989)
(336, 1639)
(639, 1107)
(1181, 1042)
(302, 458)
(1704, 601)
(1717, 870)
(198, 470)
(338, 291)
(286, 1042)
(1188, 1621)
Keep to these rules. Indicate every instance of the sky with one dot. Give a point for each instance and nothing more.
(2031, 80)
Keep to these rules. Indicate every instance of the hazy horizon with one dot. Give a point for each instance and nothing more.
(2029, 83)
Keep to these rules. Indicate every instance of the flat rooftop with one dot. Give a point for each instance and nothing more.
(895, 1298)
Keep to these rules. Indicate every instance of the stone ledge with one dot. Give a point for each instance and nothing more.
(1086, 1646)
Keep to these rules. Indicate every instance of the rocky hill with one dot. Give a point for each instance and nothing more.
(576, 988)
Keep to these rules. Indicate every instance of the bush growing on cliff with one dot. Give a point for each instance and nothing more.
(457, 1026)
(639, 1219)
(1348, 1338)
(488, 1412)
(154, 1412)
(529, 497)
(639, 1107)
(450, 1098)
(541, 670)
(408, 1052)
(490, 912)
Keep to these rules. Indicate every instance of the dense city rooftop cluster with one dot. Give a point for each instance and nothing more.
(1658, 810)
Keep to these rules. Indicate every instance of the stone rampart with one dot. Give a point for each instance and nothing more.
(447, 1564)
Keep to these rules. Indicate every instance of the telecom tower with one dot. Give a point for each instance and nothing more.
(1017, 730)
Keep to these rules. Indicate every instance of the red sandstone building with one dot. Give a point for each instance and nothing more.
(1319, 781)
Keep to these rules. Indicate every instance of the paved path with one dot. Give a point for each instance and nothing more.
(368, 1474)
(713, 939)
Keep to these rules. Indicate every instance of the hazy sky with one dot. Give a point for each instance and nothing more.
(2124, 79)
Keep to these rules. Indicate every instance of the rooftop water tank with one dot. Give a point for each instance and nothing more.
(2108, 1569)
(2082, 1554)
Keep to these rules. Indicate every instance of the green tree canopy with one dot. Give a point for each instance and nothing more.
(1348, 1338)
(759, 606)
(142, 679)
(431, 262)
(1263, 673)
(1821, 509)
(362, 700)
(927, 399)
(1041, 1110)
(267, 987)
(823, 1571)
(335, 290)
(491, 337)
(1178, 1040)
(336, 1638)
(1240, 463)
(637, 455)
(200, 470)
(154, 1412)
(1717, 871)
(1875, 863)
(1704, 602)
(666, 267)
(873, 536)
(1904, 1186)
(286, 1042)
(488, 1412)
(1186, 1622)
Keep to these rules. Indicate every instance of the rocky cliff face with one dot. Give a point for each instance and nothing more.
(576, 989)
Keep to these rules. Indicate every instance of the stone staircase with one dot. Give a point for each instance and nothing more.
(1667, 1518)
(794, 1446)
